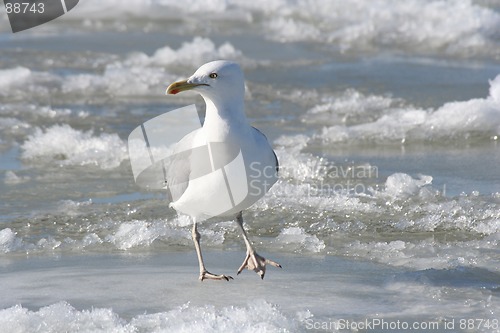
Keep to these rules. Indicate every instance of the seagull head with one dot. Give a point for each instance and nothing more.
(219, 81)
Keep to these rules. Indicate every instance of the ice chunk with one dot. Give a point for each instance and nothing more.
(8, 241)
(298, 240)
(403, 185)
(74, 147)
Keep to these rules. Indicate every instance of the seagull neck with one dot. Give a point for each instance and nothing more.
(227, 112)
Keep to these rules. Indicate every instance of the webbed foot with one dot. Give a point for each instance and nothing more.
(255, 262)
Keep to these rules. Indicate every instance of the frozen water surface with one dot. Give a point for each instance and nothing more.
(385, 116)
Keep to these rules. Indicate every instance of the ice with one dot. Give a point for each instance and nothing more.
(490, 227)
(297, 240)
(290, 30)
(13, 112)
(141, 75)
(8, 241)
(136, 74)
(295, 165)
(295, 216)
(198, 51)
(112, 8)
(83, 249)
(13, 126)
(454, 121)
(415, 25)
(10, 178)
(69, 146)
(142, 233)
(118, 80)
(176, 232)
(124, 235)
(428, 253)
(73, 208)
(495, 89)
(14, 77)
(160, 293)
(320, 197)
(402, 185)
(21, 83)
(351, 107)
(60, 317)
(258, 316)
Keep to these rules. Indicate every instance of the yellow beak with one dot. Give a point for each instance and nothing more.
(180, 86)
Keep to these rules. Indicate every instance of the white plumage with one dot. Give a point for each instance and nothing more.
(225, 166)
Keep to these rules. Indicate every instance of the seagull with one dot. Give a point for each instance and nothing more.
(226, 165)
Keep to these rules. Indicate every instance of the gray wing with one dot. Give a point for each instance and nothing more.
(274, 153)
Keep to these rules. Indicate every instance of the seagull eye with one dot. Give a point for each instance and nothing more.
(213, 75)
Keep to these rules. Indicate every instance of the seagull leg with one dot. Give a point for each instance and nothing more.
(204, 274)
(253, 261)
